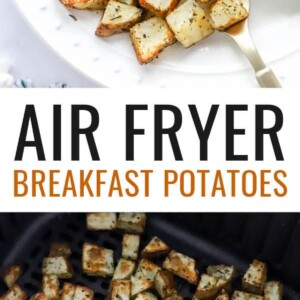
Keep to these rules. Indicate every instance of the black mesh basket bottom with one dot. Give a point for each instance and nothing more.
(26, 240)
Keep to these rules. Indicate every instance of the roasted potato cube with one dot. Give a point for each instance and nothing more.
(120, 290)
(124, 269)
(159, 7)
(140, 285)
(60, 249)
(164, 283)
(146, 296)
(118, 17)
(223, 296)
(39, 296)
(14, 293)
(150, 38)
(85, 4)
(255, 278)
(182, 266)
(11, 274)
(147, 270)
(174, 297)
(50, 287)
(207, 288)
(225, 13)
(224, 274)
(101, 221)
(237, 295)
(189, 23)
(58, 266)
(130, 246)
(155, 248)
(273, 290)
(97, 261)
(83, 293)
(132, 222)
(68, 291)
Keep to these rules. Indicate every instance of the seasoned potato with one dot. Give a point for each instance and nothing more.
(39, 296)
(224, 274)
(50, 287)
(174, 297)
(147, 270)
(146, 296)
(207, 288)
(140, 285)
(97, 261)
(130, 246)
(85, 4)
(14, 293)
(273, 290)
(101, 221)
(58, 266)
(68, 291)
(189, 23)
(132, 222)
(237, 295)
(124, 269)
(159, 7)
(11, 274)
(223, 296)
(155, 248)
(83, 293)
(255, 278)
(164, 284)
(225, 13)
(120, 290)
(150, 38)
(118, 17)
(182, 266)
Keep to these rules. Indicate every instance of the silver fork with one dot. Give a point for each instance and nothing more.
(240, 33)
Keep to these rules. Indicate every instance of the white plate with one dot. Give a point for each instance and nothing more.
(215, 61)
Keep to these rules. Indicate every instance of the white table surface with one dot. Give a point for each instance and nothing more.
(29, 56)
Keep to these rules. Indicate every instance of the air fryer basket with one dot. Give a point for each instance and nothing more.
(209, 238)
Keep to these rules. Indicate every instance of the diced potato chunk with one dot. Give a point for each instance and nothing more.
(207, 288)
(58, 266)
(174, 297)
(68, 291)
(189, 23)
(83, 293)
(140, 285)
(124, 269)
(225, 13)
(147, 270)
(132, 222)
(155, 248)
(39, 296)
(224, 274)
(273, 290)
(85, 4)
(50, 287)
(97, 261)
(11, 275)
(101, 221)
(182, 266)
(146, 296)
(164, 284)
(117, 18)
(130, 246)
(255, 278)
(60, 249)
(223, 296)
(150, 38)
(120, 290)
(237, 295)
(14, 293)
(159, 7)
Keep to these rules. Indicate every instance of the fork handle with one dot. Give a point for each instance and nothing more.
(264, 75)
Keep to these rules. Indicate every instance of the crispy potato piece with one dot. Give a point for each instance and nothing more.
(237, 295)
(97, 261)
(120, 290)
(39, 296)
(124, 269)
(273, 290)
(207, 288)
(14, 293)
(146, 270)
(255, 278)
(132, 222)
(58, 266)
(150, 38)
(164, 284)
(223, 296)
(101, 221)
(189, 23)
(225, 13)
(155, 248)
(50, 287)
(140, 285)
(182, 266)
(83, 293)
(60, 249)
(146, 296)
(159, 7)
(68, 291)
(130, 246)
(224, 274)
(85, 4)
(175, 296)
(11, 274)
